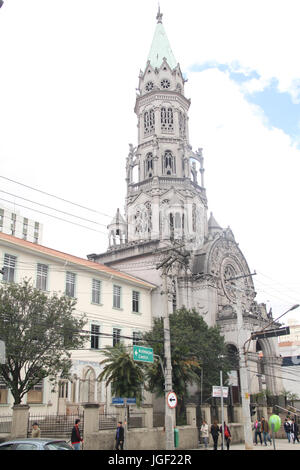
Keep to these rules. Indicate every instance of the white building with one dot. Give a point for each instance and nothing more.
(117, 306)
(13, 223)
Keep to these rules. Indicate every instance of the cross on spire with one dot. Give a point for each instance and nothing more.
(159, 15)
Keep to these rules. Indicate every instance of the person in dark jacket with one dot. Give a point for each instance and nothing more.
(227, 435)
(294, 431)
(120, 436)
(76, 438)
(215, 431)
(287, 429)
(265, 431)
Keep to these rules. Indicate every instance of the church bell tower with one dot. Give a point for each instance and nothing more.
(166, 198)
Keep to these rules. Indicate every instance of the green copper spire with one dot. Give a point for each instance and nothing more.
(160, 46)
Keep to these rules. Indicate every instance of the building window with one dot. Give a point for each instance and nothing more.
(135, 301)
(36, 232)
(168, 163)
(116, 336)
(3, 391)
(63, 388)
(96, 291)
(42, 275)
(136, 338)
(70, 284)
(149, 165)
(167, 120)
(1, 219)
(182, 124)
(117, 297)
(25, 228)
(95, 336)
(9, 268)
(149, 122)
(13, 223)
(35, 395)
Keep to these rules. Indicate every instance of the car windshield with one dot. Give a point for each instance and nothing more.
(58, 445)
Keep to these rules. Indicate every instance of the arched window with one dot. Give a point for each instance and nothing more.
(168, 163)
(149, 165)
(167, 120)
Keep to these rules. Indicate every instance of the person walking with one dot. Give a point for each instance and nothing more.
(76, 438)
(215, 431)
(294, 431)
(204, 433)
(120, 436)
(36, 432)
(257, 431)
(227, 435)
(287, 429)
(265, 431)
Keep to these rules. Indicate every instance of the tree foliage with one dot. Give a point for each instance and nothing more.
(39, 332)
(124, 374)
(195, 347)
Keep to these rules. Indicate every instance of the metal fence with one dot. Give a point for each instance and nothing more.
(5, 424)
(107, 421)
(136, 420)
(55, 425)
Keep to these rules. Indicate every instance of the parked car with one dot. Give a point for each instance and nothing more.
(36, 444)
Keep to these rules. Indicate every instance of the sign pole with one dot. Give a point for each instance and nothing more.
(222, 407)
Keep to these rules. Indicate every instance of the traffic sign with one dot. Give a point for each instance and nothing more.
(271, 333)
(172, 400)
(121, 401)
(142, 354)
(217, 391)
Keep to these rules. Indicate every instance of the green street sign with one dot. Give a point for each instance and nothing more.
(142, 354)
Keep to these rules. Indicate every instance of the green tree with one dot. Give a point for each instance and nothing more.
(39, 332)
(125, 376)
(195, 347)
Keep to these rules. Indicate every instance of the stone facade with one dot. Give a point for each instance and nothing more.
(166, 204)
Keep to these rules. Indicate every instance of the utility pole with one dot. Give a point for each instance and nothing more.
(245, 392)
(174, 255)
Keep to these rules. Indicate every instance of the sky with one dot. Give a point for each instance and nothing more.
(68, 77)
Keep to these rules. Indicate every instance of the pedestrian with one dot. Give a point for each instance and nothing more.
(76, 438)
(36, 432)
(120, 436)
(265, 431)
(294, 431)
(204, 433)
(215, 431)
(287, 429)
(227, 435)
(257, 431)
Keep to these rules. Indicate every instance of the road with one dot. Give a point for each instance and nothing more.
(280, 444)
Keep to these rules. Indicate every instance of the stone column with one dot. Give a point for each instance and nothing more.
(206, 414)
(148, 410)
(20, 421)
(191, 415)
(91, 418)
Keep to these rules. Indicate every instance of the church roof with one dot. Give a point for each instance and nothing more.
(212, 223)
(118, 219)
(160, 47)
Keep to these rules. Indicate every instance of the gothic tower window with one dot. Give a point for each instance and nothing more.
(167, 120)
(168, 163)
(149, 165)
(149, 122)
(182, 124)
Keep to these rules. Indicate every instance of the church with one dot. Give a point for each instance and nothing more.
(166, 208)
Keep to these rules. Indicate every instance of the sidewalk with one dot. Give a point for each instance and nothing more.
(280, 444)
